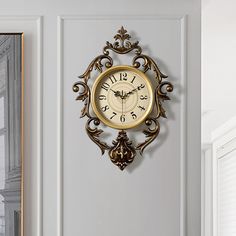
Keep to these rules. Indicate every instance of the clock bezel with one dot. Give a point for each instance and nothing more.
(115, 69)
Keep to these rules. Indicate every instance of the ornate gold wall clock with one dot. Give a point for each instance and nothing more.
(123, 97)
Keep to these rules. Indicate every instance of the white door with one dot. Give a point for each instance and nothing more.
(69, 188)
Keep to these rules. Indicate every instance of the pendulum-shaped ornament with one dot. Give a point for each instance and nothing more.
(122, 153)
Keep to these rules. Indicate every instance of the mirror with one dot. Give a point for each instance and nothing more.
(11, 105)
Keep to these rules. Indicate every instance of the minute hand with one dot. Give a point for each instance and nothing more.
(138, 88)
(130, 92)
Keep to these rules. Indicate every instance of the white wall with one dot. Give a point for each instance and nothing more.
(218, 64)
(159, 196)
(218, 96)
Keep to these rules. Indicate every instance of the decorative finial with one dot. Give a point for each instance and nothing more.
(122, 44)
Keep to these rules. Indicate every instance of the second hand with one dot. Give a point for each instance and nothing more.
(122, 102)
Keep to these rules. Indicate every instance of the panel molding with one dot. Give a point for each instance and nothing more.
(183, 133)
(60, 126)
(183, 108)
(39, 21)
(39, 110)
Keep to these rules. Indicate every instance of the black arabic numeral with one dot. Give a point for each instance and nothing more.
(105, 86)
(134, 116)
(123, 76)
(112, 79)
(102, 97)
(105, 108)
(114, 114)
(143, 97)
(122, 118)
(141, 108)
(133, 79)
(141, 86)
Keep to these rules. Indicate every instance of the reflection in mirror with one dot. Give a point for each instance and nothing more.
(11, 191)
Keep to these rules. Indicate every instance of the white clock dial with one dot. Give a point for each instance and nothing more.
(122, 97)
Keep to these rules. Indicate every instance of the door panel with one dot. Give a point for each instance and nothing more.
(99, 199)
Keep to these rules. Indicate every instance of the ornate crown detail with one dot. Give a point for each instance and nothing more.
(122, 44)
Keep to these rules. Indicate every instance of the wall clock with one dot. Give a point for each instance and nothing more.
(123, 97)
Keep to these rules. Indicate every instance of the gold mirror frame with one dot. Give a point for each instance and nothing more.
(12, 56)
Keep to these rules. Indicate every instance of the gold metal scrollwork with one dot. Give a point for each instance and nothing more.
(122, 151)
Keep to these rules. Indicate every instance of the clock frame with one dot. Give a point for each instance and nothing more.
(145, 110)
(122, 150)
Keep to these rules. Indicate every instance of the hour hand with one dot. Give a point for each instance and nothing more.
(117, 93)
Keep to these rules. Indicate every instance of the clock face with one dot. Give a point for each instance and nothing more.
(122, 97)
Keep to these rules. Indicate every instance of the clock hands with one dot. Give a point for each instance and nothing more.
(132, 91)
(117, 93)
(122, 104)
(124, 95)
